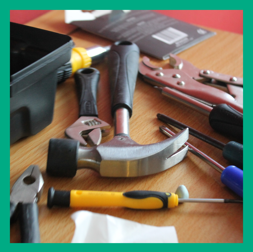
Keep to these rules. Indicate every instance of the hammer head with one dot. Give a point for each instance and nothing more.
(120, 157)
(90, 128)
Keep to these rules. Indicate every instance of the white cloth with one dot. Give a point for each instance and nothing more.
(101, 228)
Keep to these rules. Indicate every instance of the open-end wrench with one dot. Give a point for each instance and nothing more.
(88, 126)
(25, 194)
(120, 157)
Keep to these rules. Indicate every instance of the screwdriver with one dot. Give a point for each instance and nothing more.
(232, 151)
(133, 199)
(81, 58)
(222, 117)
(231, 176)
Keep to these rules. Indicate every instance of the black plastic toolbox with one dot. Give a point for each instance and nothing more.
(35, 56)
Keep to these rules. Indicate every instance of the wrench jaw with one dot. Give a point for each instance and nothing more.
(94, 137)
(90, 129)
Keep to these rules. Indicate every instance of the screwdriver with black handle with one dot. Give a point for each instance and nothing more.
(133, 199)
(222, 117)
(232, 151)
(81, 58)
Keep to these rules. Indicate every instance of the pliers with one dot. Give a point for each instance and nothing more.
(25, 194)
(188, 80)
(202, 90)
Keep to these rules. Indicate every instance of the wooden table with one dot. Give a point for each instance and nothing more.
(194, 223)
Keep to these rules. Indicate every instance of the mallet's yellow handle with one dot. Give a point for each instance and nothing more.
(133, 199)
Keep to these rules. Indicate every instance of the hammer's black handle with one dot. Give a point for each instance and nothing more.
(29, 223)
(13, 212)
(227, 120)
(87, 84)
(123, 68)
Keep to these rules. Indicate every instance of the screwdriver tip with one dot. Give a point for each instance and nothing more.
(232, 201)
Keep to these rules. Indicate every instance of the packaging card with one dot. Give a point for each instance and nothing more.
(156, 35)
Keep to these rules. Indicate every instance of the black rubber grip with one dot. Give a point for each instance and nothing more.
(13, 212)
(58, 198)
(123, 62)
(232, 201)
(148, 194)
(233, 152)
(227, 121)
(87, 84)
(62, 157)
(29, 223)
(64, 72)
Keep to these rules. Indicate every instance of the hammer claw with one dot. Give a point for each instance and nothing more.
(177, 142)
(176, 157)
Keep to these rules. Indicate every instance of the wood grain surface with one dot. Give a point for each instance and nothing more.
(194, 223)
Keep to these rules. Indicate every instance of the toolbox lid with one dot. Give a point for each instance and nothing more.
(34, 53)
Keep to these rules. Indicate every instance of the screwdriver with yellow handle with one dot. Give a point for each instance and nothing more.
(133, 199)
(81, 58)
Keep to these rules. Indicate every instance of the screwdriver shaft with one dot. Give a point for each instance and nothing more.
(209, 201)
(192, 131)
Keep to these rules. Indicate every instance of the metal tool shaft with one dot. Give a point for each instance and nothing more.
(97, 53)
(209, 201)
(192, 131)
(121, 122)
(201, 200)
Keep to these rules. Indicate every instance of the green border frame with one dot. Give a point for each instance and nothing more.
(130, 4)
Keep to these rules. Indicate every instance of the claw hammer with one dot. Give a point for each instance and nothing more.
(120, 157)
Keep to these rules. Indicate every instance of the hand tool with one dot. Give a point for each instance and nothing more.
(26, 192)
(81, 58)
(120, 157)
(231, 176)
(225, 111)
(232, 151)
(133, 199)
(88, 125)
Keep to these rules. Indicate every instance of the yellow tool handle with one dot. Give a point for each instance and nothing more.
(133, 199)
(79, 59)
